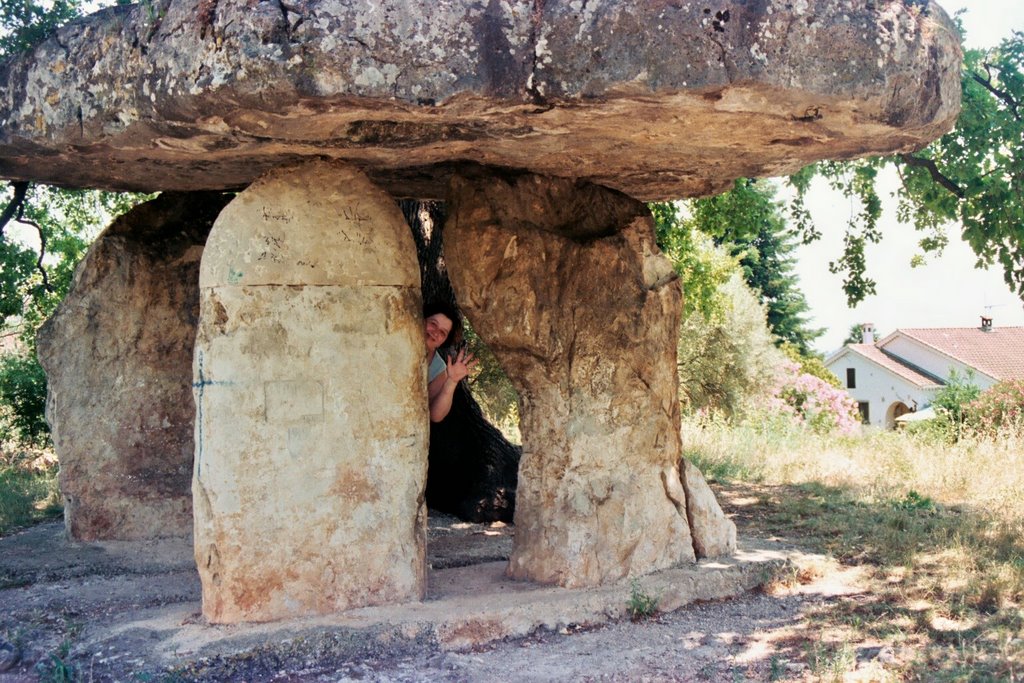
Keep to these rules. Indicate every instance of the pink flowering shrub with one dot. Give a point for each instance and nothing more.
(998, 408)
(811, 402)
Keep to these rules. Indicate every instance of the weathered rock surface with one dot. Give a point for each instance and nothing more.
(714, 534)
(582, 312)
(310, 387)
(118, 360)
(658, 100)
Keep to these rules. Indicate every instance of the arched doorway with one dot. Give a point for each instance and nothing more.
(897, 409)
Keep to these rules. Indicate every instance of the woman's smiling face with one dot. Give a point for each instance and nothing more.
(437, 328)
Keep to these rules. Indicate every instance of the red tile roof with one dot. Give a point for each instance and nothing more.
(999, 353)
(891, 363)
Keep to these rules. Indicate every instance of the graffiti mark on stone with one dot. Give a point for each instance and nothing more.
(272, 246)
(359, 239)
(200, 385)
(278, 216)
(355, 214)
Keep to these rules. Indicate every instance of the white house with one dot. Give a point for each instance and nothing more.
(902, 372)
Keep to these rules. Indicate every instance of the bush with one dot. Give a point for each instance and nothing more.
(22, 400)
(998, 408)
(951, 402)
(812, 402)
(939, 430)
(954, 397)
(726, 359)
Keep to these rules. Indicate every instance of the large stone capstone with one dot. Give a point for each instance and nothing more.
(565, 283)
(656, 99)
(310, 391)
(118, 359)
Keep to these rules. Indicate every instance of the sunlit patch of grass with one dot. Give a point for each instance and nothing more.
(937, 529)
(829, 661)
(28, 490)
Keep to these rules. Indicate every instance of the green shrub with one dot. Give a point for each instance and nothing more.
(940, 429)
(492, 388)
(724, 360)
(958, 392)
(55, 668)
(951, 401)
(641, 605)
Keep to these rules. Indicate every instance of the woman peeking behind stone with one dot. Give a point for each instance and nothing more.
(449, 362)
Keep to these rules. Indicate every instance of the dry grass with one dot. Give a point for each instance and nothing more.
(979, 471)
(937, 528)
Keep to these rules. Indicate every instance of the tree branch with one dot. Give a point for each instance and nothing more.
(16, 205)
(934, 172)
(42, 252)
(1006, 97)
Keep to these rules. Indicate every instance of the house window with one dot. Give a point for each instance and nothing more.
(851, 378)
(865, 416)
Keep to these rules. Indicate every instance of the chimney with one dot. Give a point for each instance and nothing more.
(986, 324)
(867, 331)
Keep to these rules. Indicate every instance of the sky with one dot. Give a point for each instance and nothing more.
(947, 292)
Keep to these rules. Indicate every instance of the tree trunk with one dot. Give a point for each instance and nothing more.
(472, 468)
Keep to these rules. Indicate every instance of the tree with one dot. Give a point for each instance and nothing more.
(811, 365)
(472, 469)
(748, 222)
(35, 277)
(61, 223)
(973, 175)
(748, 219)
(855, 335)
(24, 24)
(726, 352)
(702, 271)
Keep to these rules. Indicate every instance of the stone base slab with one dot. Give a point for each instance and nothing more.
(154, 589)
(474, 605)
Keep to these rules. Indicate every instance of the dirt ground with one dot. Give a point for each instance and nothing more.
(56, 597)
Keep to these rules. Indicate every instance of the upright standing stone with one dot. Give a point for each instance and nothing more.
(311, 430)
(565, 284)
(118, 360)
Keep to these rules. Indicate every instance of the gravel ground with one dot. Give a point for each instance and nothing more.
(54, 592)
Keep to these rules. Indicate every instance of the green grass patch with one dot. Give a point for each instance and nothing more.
(28, 494)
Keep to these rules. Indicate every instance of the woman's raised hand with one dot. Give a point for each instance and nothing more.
(459, 365)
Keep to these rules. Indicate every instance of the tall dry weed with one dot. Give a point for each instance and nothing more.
(986, 472)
